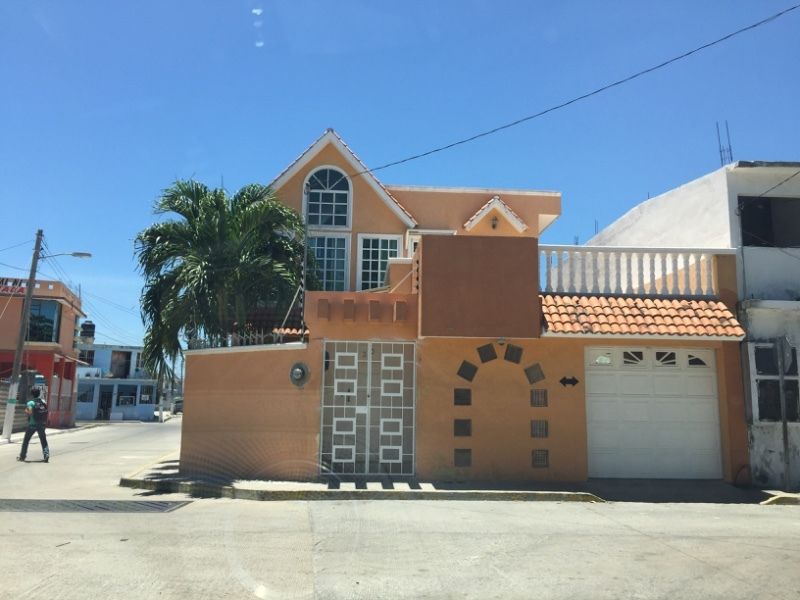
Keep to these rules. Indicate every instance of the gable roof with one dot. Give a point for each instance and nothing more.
(359, 168)
(504, 209)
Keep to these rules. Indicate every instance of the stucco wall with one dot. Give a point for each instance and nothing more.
(501, 413)
(771, 273)
(695, 214)
(764, 324)
(369, 213)
(243, 418)
(475, 286)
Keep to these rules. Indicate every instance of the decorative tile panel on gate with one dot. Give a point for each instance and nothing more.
(368, 404)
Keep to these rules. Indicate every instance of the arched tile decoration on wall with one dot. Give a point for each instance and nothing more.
(487, 352)
(467, 370)
(534, 373)
(513, 354)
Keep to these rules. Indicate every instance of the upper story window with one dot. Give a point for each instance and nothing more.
(328, 199)
(45, 321)
(770, 221)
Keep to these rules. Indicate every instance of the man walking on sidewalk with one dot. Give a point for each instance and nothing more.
(36, 409)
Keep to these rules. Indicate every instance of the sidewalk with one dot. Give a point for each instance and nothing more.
(16, 438)
(163, 476)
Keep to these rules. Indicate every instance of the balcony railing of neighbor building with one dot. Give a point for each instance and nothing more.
(609, 270)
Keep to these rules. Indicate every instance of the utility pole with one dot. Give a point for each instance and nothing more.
(13, 392)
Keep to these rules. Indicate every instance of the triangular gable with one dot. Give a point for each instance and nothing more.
(496, 204)
(358, 167)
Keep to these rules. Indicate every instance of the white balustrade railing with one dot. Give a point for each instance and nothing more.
(629, 271)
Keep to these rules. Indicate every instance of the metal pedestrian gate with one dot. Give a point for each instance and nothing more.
(368, 403)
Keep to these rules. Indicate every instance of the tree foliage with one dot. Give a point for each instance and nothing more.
(213, 259)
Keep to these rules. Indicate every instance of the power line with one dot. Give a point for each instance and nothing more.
(15, 245)
(111, 303)
(594, 92)
(13, 267)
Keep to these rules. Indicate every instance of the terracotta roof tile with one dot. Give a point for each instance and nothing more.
(638, 316)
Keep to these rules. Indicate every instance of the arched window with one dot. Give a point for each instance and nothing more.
(328, 199)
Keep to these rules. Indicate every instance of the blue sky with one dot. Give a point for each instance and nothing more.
(104, 104)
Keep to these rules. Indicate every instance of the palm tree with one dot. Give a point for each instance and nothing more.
(219, 259)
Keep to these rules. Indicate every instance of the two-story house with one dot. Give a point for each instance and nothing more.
(448, 344)
(49, 348)
(113, 385)
(753, 209)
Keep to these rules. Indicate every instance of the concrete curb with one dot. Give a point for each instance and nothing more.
(782, 500)
(208, 490)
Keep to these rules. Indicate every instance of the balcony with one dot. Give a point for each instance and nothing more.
(626, 271)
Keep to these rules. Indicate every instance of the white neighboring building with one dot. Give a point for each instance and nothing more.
(753, 207)
(114, 386)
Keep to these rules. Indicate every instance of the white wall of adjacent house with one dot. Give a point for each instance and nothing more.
(704, 213)
(766, 321)
(694, 215)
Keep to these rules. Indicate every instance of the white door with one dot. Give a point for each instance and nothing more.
(652, 413)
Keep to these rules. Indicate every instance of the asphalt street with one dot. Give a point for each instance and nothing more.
(369, 549)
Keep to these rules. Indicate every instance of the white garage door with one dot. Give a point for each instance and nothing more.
(652, 413)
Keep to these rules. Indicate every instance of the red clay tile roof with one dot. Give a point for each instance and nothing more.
(602, 315)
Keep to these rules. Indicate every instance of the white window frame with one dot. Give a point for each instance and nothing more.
(329, 234)
(360, 258)
(755, 377)
(679, 358)
(349, 224)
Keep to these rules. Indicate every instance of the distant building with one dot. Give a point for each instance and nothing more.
(114, 385)
(50, 345)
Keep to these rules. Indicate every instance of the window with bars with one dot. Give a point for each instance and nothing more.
(375, 254)
(328, 199)
(330, 254)
(766, 388)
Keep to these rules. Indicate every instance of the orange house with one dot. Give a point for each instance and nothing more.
(49, 346)
(448, 344)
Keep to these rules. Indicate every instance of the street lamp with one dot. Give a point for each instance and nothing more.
(11, 404)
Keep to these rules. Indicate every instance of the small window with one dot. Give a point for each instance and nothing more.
(462, 397)
(539, 398)
(769, 400)
(539, 429)
(666, 359)
(696, 361)
(462, 427)
(632, 357)
(462, 457)
(770, 221)
(534, 373)
(487, 353)
(766, 360)
(328, 199)
(513, 354)
(540, 459)
(467, 370)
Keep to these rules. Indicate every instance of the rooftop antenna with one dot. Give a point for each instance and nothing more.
(725, 152)
(596, 227)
